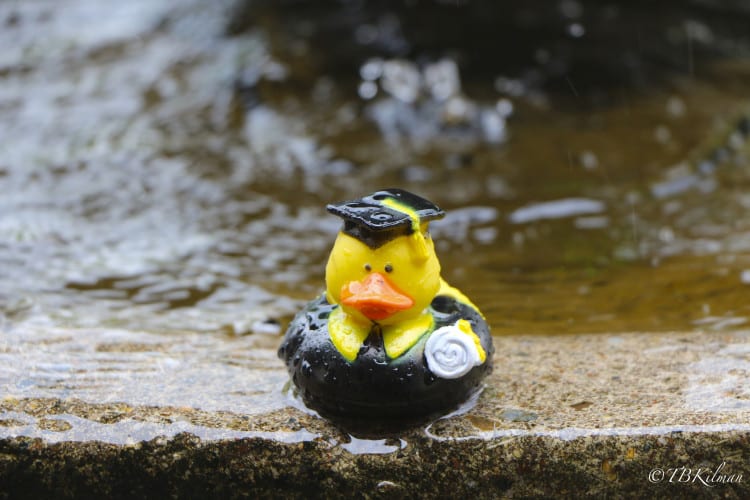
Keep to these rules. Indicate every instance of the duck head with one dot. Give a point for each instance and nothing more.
(383, 267)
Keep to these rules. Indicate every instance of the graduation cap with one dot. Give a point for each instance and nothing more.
(380, 217)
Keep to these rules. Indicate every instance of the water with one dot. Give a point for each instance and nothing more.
(164, 184)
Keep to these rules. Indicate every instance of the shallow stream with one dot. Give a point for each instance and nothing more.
(165, 166)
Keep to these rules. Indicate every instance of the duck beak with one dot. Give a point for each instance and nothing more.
(375, 297)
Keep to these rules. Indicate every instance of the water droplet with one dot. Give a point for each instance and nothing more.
(401, 79)
(371, 70)
(367, 90)
(576, 30)
(442, 80)
(493, 126)
(662, 134)
(509, 86)
(387, 486)
(504, 107)
(676, 107)
(589, 161)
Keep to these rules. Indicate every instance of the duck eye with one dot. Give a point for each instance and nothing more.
(368, 268)
(388, 268)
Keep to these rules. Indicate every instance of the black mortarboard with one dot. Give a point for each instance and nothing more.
(375, 221)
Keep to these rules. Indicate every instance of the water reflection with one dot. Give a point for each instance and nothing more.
(71, 428)
(556, 209)
(427, 105)
(161, 175)
(101, 366)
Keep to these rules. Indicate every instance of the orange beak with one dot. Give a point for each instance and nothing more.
(375, 297)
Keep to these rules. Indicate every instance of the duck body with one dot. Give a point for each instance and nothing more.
(389, 338)
(374, 385)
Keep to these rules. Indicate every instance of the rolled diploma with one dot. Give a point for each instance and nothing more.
(450, 352)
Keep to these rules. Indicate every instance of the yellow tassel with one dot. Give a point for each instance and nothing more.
(419, 244)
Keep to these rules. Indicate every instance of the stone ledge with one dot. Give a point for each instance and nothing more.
(521, 466)
(561, 415)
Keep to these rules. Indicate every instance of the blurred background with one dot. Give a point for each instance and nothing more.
(165, 164)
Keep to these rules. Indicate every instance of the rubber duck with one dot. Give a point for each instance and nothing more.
(389, 338)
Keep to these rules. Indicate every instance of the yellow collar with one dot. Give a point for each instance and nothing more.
(348, 335)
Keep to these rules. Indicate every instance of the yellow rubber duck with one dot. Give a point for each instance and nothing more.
(389, 337)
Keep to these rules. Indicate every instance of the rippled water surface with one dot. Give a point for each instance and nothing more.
(164, 168)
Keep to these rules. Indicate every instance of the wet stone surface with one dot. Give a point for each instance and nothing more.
(164, 168)
(558, 414)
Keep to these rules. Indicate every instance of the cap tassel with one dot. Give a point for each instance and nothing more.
(420, 246)
(418, 243)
